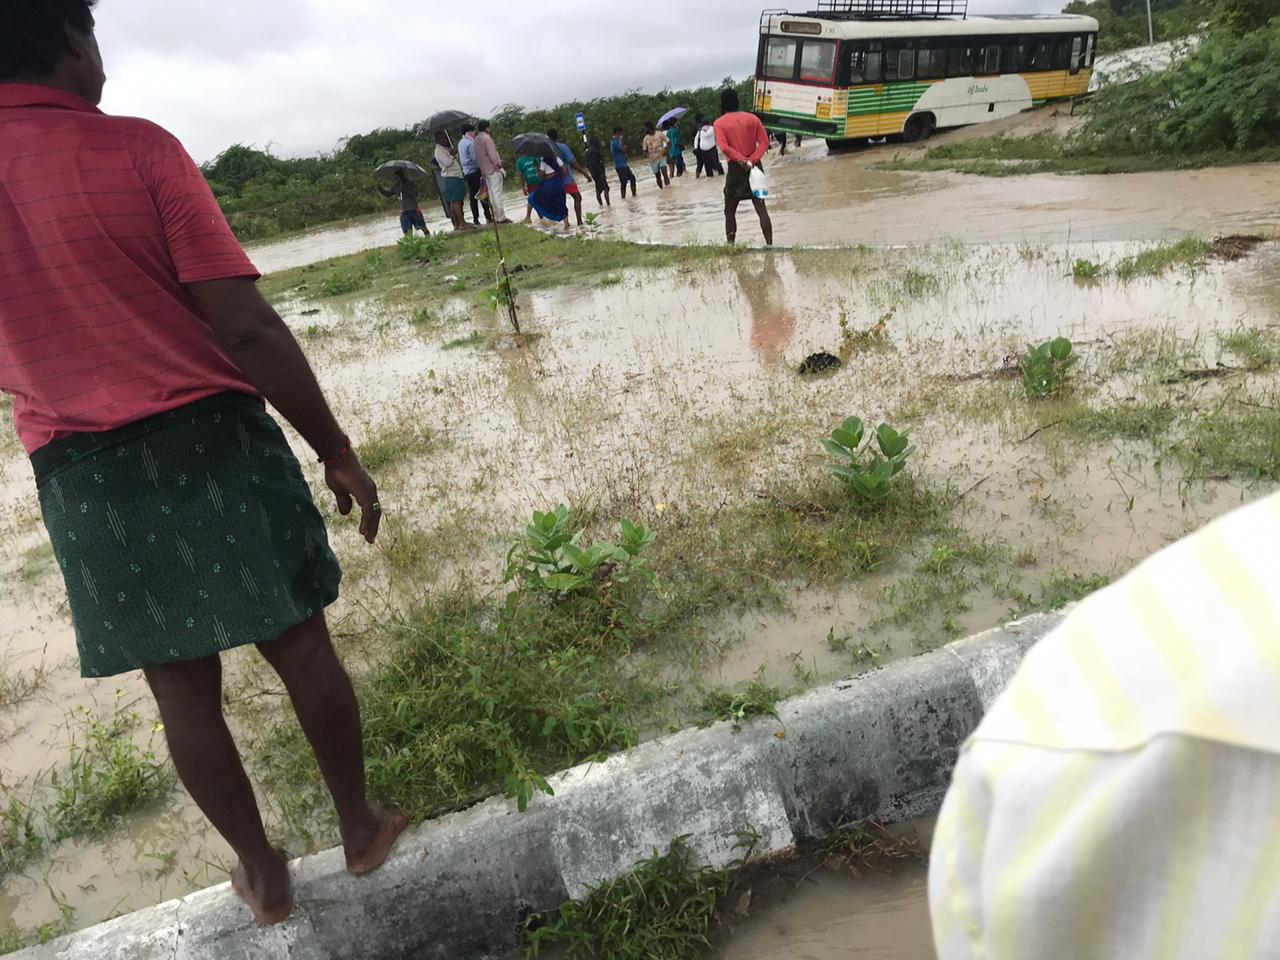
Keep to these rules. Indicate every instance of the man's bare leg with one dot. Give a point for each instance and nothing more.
(189, 695)
(326, 707)
(766, 222)
(731, 220)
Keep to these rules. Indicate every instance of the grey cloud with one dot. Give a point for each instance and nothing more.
(301, 74)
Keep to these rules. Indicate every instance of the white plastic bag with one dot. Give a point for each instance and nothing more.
(759, 184)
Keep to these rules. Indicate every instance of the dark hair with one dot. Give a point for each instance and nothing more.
(729, 100)
(482, 126)
(468, 127)
(648, 124)
(33, 33)
(553, 134)
(617, 130)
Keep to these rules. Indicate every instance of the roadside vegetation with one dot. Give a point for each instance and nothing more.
(1123, 23)
(264, 196)
(1218, 104)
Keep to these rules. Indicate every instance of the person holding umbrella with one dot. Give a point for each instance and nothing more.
(403, 187)
(538, 157)
(453, 183)
(675, 150)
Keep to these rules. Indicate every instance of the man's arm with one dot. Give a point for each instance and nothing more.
(387, 192)
(257, 341)
(762, 142)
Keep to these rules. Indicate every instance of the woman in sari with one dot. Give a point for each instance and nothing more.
(548, 197)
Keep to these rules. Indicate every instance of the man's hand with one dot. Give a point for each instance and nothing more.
(350, 483)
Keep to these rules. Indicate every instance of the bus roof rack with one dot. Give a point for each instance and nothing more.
(891, 9)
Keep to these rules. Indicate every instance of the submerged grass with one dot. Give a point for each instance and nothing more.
(1189, 252)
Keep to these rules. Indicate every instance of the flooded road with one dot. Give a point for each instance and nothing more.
(822, 199)
(661, 392)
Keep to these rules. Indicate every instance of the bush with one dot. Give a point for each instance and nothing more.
(1223, 95)
(413, 248)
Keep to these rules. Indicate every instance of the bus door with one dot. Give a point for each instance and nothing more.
(863, 70)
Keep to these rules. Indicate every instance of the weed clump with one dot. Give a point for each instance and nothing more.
(661, 910)
(416, 249)
(109, 776)
(1084, 269)
(866, 470)
(1189, 252)
(757, 699)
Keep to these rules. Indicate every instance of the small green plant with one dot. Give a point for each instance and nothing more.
(109, 775)
(458, 285)
(19, 841)
(347, 279)
(592, 227)
(1045, 368)
(757, 699)
(661, 910)
(1084, 269)
(550, 557)
(868, 470)
(501, 294)
(844, 644)
(416, 249)
(1189, 252)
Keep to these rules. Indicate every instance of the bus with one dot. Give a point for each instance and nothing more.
(864, 69)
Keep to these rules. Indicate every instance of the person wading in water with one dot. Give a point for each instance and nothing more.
(139, 354)
(744, 141)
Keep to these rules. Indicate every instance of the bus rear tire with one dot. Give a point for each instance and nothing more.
(919, 126)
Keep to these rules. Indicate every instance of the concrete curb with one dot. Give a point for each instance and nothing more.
(880, 745)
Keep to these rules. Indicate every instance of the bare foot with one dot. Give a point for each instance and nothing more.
(268, 893)
(366, 855)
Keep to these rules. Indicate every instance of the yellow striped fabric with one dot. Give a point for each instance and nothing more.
(1122, 797)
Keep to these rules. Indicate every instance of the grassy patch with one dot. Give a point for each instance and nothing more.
(17, 685)
(1128, 421)
(661, 910)
(1257, 348)
(20, 843)
(1189, 252)
(397, 442)
(108, 776)
(476, 338)
(1234, 441)
(756, 699)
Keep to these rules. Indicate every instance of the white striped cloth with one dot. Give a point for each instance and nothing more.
(1122, 797)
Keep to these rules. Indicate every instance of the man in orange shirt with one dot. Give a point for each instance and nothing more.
(744, 141)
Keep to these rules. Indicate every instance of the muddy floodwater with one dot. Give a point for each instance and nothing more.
(826, 199)
(672, 393)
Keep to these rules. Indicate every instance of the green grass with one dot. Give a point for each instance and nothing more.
(756, 699)
(661, 910)
(1258, 349)
(1128, 421)
(17, 686)
(1084, 269)
(398, 442)
(1188, 253)
(108, 775)
(20, 842)
(476, 338)
(1233, 441)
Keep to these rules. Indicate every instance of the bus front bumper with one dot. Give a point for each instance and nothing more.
(778, 123)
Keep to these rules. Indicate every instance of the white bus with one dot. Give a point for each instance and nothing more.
(857, 69)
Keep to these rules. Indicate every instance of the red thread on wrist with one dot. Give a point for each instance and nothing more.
(330, 461)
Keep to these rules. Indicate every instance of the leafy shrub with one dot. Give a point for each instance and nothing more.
(868, 470)
(416, 249)
(1045, 368)
(345, 279)
(1222, 95)
(549, 556)
(1084, 269)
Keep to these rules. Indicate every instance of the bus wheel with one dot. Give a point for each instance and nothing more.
(919, 127)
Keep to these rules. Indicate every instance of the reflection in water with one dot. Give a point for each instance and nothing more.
(773, 323)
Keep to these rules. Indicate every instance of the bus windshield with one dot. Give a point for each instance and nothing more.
(818, 60)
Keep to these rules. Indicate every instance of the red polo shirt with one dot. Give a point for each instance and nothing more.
(102, 221)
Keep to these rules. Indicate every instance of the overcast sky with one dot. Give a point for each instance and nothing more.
(297, 75)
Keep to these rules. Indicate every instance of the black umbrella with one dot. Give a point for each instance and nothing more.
(410, 169)
(535, 145)
(440, 120)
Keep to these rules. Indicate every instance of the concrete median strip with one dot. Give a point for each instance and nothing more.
(880, 745)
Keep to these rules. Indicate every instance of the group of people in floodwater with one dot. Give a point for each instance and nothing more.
(549, 179)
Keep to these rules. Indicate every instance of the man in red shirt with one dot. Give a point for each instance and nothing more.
(744, 141)
(138, 353)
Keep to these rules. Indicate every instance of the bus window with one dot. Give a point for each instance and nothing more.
(989, 62)
(1042, 58)
(780, 58)
(1088, 50)
(960, 61)
(899, 65)
(1017, 57)
(864, 64)
(1077, 51)
(818, 60)
(1062, 53)
(931, 63)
